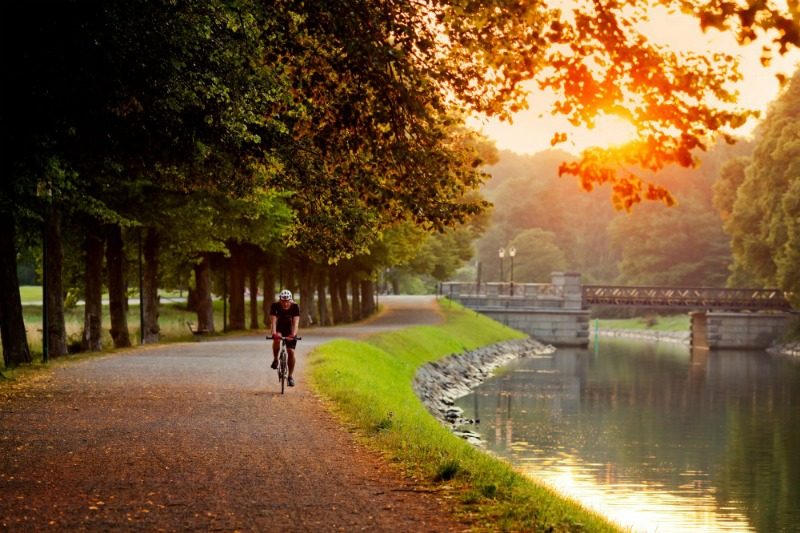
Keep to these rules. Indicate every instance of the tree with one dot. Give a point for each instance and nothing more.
(765, 221)
(537, 256)
(676, 102)
(683, 246)
(528, 194)
(12, 327)
(731, 177)
(442, 254)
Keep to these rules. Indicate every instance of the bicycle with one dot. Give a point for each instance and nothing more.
(283, 364)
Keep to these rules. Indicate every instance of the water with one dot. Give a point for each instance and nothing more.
(655, 436)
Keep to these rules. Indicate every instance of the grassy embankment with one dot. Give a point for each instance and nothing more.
(369, 386)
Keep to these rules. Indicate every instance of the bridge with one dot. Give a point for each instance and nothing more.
(686, 298)
(558, 312)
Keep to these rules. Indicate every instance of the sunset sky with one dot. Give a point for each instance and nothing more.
(533, 128)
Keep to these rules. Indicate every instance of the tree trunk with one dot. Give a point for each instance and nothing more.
(93, 310)
(341, 282)
(202, 295)
(117, 287)
(191, 297)
(306, 297)
(333, 289)
(367, 298)
(150, 289)
(236, 286)
(253, 279)
(12, 325)
(322, 301)
(54, 286)
(355, 302)
(268, 276)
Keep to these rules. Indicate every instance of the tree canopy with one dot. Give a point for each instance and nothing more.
(764, 222)
(349, 105)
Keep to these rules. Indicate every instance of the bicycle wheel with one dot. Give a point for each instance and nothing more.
(282, 370)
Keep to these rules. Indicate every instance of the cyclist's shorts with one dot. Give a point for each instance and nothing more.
(291, 344)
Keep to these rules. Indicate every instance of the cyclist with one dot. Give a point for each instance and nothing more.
(284, 318)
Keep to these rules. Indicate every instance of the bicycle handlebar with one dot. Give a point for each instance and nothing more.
(269, 337)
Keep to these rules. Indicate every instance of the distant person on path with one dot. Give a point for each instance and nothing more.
(284, 318)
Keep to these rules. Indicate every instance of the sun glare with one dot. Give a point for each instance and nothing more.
(609, 130)
(636, 505)
(532, 129)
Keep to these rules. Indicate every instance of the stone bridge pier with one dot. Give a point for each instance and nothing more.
(718, 330)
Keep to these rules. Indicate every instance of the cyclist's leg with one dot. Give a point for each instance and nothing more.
(290, 351)
(276, 346)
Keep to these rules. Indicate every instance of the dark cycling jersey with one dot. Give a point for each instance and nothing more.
(283, 324)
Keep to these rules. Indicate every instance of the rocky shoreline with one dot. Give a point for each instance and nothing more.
(791, 349)
(679, 337)
(440, 383)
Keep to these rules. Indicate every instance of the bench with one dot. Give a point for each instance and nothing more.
(194, 330)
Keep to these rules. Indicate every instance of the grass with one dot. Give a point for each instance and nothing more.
(30, 294)
(369, 385)
(656, 323)
(172, 321)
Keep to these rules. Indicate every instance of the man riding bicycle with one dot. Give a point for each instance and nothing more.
(284, 318)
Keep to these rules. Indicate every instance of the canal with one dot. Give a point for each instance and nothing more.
(654, 435)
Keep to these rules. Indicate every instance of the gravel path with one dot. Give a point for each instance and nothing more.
(196, 436)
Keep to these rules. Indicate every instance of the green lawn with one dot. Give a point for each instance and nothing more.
(369, 385)
(30, 294)
(655, 323)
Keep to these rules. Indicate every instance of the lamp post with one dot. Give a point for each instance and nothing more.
(511, 253)
(501, 253)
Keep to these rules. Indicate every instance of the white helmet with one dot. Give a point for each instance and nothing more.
(285, 295)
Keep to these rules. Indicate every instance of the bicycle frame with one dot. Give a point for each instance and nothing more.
(283, 362)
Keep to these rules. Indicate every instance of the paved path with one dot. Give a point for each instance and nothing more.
(195, 436)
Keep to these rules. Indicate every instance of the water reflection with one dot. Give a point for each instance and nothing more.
(655, 436)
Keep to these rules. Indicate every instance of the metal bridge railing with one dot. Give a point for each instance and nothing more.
(695, 298)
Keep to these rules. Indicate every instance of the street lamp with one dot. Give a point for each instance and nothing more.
(511, 253)
(501, 253)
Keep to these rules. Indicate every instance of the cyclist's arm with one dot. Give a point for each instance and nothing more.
(273, 320)
(295, 325)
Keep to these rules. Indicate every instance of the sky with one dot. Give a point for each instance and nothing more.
(533, 128)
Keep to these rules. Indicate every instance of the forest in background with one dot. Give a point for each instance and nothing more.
(555, 225)
(736, 221)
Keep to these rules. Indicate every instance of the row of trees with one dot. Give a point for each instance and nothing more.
(318, 131)
(259, 131)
